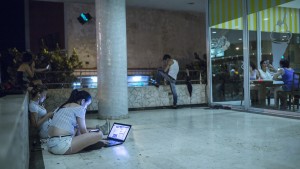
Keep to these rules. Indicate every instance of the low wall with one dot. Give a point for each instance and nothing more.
(138, 97)
(14, 135)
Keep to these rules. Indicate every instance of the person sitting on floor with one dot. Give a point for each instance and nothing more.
(68, 132)
(39, 117)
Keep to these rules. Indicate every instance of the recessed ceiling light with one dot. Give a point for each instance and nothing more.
(191, 3)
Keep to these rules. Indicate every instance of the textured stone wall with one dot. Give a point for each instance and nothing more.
(150, 34)
(138, 97)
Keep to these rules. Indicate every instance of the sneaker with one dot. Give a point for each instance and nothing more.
(174, 107)
(104, 128)
(153, 82)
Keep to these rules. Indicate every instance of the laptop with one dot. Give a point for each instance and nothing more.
(117, 134)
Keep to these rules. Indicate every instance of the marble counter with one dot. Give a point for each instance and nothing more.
(138, 97)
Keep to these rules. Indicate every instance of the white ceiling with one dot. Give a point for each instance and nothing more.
(177, 5)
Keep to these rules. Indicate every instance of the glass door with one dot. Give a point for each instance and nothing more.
(226, 51)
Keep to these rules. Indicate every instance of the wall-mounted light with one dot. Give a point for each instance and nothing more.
(84, 18)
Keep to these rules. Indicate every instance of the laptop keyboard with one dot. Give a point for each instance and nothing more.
(113, 142)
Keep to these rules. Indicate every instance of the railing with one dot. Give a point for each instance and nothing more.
(87, 78)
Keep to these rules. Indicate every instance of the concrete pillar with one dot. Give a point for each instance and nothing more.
(111, 59)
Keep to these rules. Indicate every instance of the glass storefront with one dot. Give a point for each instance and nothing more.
(248, 39)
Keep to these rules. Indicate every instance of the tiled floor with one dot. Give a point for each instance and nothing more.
(194, 138)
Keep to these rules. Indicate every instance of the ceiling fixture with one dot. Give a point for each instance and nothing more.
(191, 3)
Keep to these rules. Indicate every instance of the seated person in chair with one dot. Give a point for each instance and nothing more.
(266, 70)
(284, 73)
(266, 73)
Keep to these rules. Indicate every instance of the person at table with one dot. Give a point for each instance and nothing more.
(266, 70)
(254, 74)
(284, 73)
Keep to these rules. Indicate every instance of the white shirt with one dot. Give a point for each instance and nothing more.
(34, 107)
(174, 69)
(265, 75)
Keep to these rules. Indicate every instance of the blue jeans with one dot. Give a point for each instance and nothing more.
(160, 75)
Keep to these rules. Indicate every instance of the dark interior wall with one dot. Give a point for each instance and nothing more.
(46, 20)
(12, 25)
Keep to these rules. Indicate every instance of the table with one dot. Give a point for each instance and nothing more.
(262, 84)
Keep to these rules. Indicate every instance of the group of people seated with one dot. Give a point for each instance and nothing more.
(268, 72)
(65, 128)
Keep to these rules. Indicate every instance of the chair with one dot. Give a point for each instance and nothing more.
(295, 93)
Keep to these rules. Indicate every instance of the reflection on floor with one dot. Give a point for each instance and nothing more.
(194, 138)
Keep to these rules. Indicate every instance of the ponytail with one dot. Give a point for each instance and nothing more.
(77, 96)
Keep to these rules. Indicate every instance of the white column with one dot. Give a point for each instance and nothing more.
(111, 59)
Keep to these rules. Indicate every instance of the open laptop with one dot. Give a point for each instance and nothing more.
(117, 134)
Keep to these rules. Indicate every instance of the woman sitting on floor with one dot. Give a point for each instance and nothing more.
(68, 133)
(39, 117)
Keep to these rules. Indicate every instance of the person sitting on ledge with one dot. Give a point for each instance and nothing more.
(27, 70)
(68, 132)
(169, 73)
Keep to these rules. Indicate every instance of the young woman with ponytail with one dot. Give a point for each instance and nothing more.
(68, 133)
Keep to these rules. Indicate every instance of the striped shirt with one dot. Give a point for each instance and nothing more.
(65, 118)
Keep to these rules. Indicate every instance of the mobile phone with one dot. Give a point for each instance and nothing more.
(94, 130)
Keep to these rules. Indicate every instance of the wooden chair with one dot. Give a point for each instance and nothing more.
(295, 93)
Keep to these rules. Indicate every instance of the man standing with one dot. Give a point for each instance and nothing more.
(169, 73)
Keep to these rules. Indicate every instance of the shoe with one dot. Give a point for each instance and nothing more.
(153, 82)
(174, 107)
(104, 128)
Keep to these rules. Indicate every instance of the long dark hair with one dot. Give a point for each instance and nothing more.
(77, 96)
(38, 89)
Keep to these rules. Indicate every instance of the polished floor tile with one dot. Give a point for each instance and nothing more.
(194, 138)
